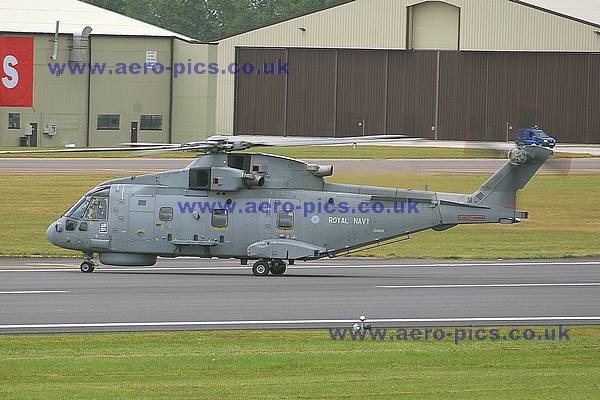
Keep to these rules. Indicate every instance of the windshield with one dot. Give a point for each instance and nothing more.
(93, 206)
(78, 209)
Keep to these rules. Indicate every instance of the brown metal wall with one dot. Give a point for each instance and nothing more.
(563, 82)
(483, 92)
(361, 88)
(463, 94)
(512, 92)
(330, 91)
(411, 93)
(259, 99)
(593, 93)
(311, 92)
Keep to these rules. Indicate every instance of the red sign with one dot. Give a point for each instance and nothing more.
(16, 71)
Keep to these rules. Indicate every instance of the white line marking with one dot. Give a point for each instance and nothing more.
(35, 292)
(290, 322)
(495, 285)
(308, 267)
(491, 264)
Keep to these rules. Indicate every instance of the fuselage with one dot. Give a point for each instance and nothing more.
(252, 206)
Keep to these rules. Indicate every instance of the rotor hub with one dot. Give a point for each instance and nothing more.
(518, 156)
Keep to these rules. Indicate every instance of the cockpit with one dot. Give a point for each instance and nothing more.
(92, 207)
(87, 219)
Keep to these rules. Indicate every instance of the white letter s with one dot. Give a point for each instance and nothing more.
(12, 79)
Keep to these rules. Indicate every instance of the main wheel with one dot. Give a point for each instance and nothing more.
(87, 267)
(278, 267)
(260, 268)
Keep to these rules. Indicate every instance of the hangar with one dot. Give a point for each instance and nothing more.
(95, 109)
(452, 69)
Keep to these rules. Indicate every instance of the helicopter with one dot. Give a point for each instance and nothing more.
(270, 210)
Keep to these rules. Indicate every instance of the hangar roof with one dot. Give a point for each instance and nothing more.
(40, 16)
(586, 11)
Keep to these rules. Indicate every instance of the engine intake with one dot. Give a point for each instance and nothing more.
(321, 171)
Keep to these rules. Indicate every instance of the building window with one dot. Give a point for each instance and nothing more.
(166, 214)
(151, 122)
(14, 120)
(108, 122)
(220, 218)
(285, 220)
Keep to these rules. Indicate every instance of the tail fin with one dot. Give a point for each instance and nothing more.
(500, 190)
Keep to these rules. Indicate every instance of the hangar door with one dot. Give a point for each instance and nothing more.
(460, 95)
(327, 93)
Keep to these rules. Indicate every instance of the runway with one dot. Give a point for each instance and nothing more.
(137, 166)
(52, 295)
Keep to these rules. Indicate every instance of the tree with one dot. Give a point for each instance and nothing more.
(210, 19)
(113, 5)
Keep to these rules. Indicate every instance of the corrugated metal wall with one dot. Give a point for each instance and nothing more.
(485, 25)
(481, 93)
(593, 95)
(312, 92)
(411, 92)
(361, 92)
(331, 93)
(261, 98)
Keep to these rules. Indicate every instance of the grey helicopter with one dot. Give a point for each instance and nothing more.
(267, 209)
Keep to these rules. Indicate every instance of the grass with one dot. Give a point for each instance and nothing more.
(29, 203)
(308, 152)
(564, 220)
(564, 217)
(294, 365)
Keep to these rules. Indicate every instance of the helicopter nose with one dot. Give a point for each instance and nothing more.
(51, 232)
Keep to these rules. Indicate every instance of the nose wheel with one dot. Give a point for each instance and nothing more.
(263, 267)
(87, 266)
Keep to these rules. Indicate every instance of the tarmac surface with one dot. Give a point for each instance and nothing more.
(137, 166)
(52, 295)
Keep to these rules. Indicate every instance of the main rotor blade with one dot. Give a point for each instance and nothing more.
(155, 151)
(325, 141)
(81, 150)
(223, 143)
(136, 144)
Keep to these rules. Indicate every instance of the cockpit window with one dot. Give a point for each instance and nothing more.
(79, 209)
(97, 209)
(94, 206)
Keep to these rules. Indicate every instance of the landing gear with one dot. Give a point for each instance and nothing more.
(278, 267)
(263, 267)
(260, 268)
(87, 266)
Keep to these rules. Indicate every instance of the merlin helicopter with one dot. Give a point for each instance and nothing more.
(267, 209)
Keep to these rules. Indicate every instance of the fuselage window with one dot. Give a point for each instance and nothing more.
(165, 214)
(220, 218)
(71, 225)
(285, 220)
